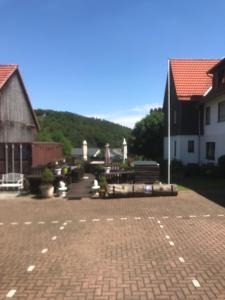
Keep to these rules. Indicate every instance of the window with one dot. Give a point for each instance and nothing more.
(174, 117)
(221, 111)
(175, 148)
(207, 115)
(210, 150)
(191, 146)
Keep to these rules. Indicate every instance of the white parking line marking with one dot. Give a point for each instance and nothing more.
(14, 223)
(1, 224)
(161, 226)
(171, 243)
(65, 224)
(137, 218)
(165, 217)
(220, 215)
(109, 219)
(41, 222)
(82, 221)
(55, 222)
(158, 222)
(123, 218)
(181, 259)
(27, 223)
(61, 228)
(167, 237)
(192, 216)
(30, 268)
(196, 283)
(205, 216)
(44, 250)
(11, 293)
(179, 217)
(95, 220)
(54, 238)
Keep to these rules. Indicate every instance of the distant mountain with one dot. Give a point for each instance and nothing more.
(71, 129)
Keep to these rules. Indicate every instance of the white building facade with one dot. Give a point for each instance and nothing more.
(197, 111)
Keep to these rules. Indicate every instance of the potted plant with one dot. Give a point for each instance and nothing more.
(103, 186)
(47, 188)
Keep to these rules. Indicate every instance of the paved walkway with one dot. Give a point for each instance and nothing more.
(135, 249)
(82, 188)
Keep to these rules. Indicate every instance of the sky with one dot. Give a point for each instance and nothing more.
(105, 58)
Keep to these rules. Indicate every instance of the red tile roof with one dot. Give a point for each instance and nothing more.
(5, 72)
(190, 76)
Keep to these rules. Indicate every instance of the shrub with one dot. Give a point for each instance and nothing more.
(192, 169)
(47, 176)
(221, 164)
(103, 182)
(176, 166)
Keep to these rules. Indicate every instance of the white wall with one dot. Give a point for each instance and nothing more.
(182, 148)
(214, 132)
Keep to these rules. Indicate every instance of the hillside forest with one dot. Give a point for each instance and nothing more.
(145, 140)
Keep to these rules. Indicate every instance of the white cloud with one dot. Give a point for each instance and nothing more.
(145, 108)
(128, 121)
(129, 116)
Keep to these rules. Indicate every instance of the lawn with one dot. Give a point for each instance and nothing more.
(199, 183)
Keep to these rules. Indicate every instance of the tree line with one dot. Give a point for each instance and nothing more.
(146, 139)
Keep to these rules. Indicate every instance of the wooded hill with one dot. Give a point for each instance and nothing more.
(71, 129)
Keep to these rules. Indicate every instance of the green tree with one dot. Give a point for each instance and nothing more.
(43, 136)
(147, 135)
(59, 137)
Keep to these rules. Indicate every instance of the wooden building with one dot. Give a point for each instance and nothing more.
(18, 122)
(18, 127)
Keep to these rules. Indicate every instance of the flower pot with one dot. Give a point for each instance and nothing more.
(47, 190)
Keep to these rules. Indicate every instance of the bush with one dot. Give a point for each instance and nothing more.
(191, 169)
(210, 170)
(176, 166)
(103, 182)
(47, 176)
(221, 165)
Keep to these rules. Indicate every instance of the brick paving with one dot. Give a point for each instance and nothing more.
(145, 248)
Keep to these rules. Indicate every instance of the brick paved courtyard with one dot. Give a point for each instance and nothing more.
(146, 248)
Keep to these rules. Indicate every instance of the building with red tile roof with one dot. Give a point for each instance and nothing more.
(197, 89)
(18, 125)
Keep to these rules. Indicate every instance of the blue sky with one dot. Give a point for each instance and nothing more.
(105, 58)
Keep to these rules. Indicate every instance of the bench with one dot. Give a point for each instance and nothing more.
(12, 180)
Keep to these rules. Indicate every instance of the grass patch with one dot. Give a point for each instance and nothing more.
(199, 183)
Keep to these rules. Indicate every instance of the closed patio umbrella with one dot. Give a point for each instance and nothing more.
(85, 151)
(124, 150)
(107, 154)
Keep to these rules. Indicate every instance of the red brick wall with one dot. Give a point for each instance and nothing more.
(43, 153)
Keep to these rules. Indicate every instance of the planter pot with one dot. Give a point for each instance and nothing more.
(102, 193)
(47, 190)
